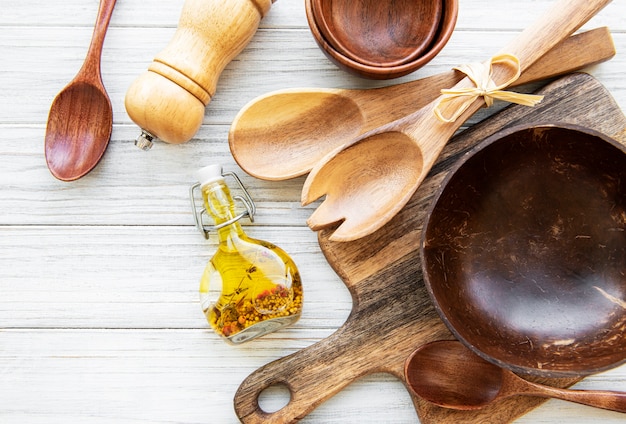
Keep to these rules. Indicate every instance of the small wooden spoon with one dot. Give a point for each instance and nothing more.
(80, 120)
(450, 375)
(284, 126)
(369, 180)
(379, 33)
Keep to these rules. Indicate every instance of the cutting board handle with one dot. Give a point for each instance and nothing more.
(310, 382)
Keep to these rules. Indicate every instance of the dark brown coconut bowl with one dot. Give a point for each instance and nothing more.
(524, 251)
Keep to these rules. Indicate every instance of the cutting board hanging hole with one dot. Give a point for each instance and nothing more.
(274, 398)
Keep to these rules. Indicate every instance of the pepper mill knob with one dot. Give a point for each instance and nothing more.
(168, 101)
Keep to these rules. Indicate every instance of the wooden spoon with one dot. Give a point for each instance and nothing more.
(370, 179)
(379, 33)
(448, 374)
(284, 126)
(81, 118)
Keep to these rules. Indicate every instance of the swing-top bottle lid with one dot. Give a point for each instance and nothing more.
(208, 174)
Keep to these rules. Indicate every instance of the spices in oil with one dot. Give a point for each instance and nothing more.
(249, 287)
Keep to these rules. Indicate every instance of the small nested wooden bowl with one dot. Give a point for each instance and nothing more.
(368, 47)
(379, 32)
(524, 251)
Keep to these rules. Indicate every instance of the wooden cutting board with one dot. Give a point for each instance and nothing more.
(392, 313)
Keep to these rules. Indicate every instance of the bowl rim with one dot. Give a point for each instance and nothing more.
(482, 145)
(444, 33)
(324, 27)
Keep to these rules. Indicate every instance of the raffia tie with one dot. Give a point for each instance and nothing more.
(480, 74)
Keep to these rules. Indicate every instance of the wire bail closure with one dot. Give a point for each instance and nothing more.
(198, 213)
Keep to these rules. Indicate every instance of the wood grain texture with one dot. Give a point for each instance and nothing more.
(379, 33)
(450, 375)
(285, 124)
(99, 314)
(168, 100)
(371, 177)
(392, 313)
(376, 71)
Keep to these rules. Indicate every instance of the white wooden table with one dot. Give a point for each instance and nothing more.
(99, 312)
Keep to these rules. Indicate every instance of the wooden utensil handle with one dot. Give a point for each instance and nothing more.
(573, 53)
(605, 399)
(91, 67)
(565, 17)
(551, 28)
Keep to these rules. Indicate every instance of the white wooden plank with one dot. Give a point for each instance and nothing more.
(139, 277)
(129, 186)
(477, 14)
(95, 376)
(99, 318)
(29, 85)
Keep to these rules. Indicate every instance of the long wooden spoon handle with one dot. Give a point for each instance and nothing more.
(605, 399)
(91, 66)
(551, 28)
(565, 17)
(574, 53)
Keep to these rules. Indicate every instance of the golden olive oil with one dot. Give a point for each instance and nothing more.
(249, 287)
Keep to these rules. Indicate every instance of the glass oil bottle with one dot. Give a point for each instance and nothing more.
(249, 287)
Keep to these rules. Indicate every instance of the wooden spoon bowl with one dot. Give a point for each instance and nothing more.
(80, 120)
(448, 374)
(284, 125)
(382, 191)
(524, 248)
(379, 33)
(447, 23)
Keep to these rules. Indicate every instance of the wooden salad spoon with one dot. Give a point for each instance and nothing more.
(80, 120)
(379, 33)
(369, 180)
(450, 375)
(298, 127)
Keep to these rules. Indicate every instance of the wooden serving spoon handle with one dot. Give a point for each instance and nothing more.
(555, 25)
(605, 399)
(572, 54)
(565, 17)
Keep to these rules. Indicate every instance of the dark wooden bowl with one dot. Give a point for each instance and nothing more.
(446, 27)
(524, 251)
(379, 32)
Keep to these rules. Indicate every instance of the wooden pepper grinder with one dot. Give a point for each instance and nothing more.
(168, 101)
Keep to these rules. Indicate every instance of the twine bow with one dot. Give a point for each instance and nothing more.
(480, 74)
